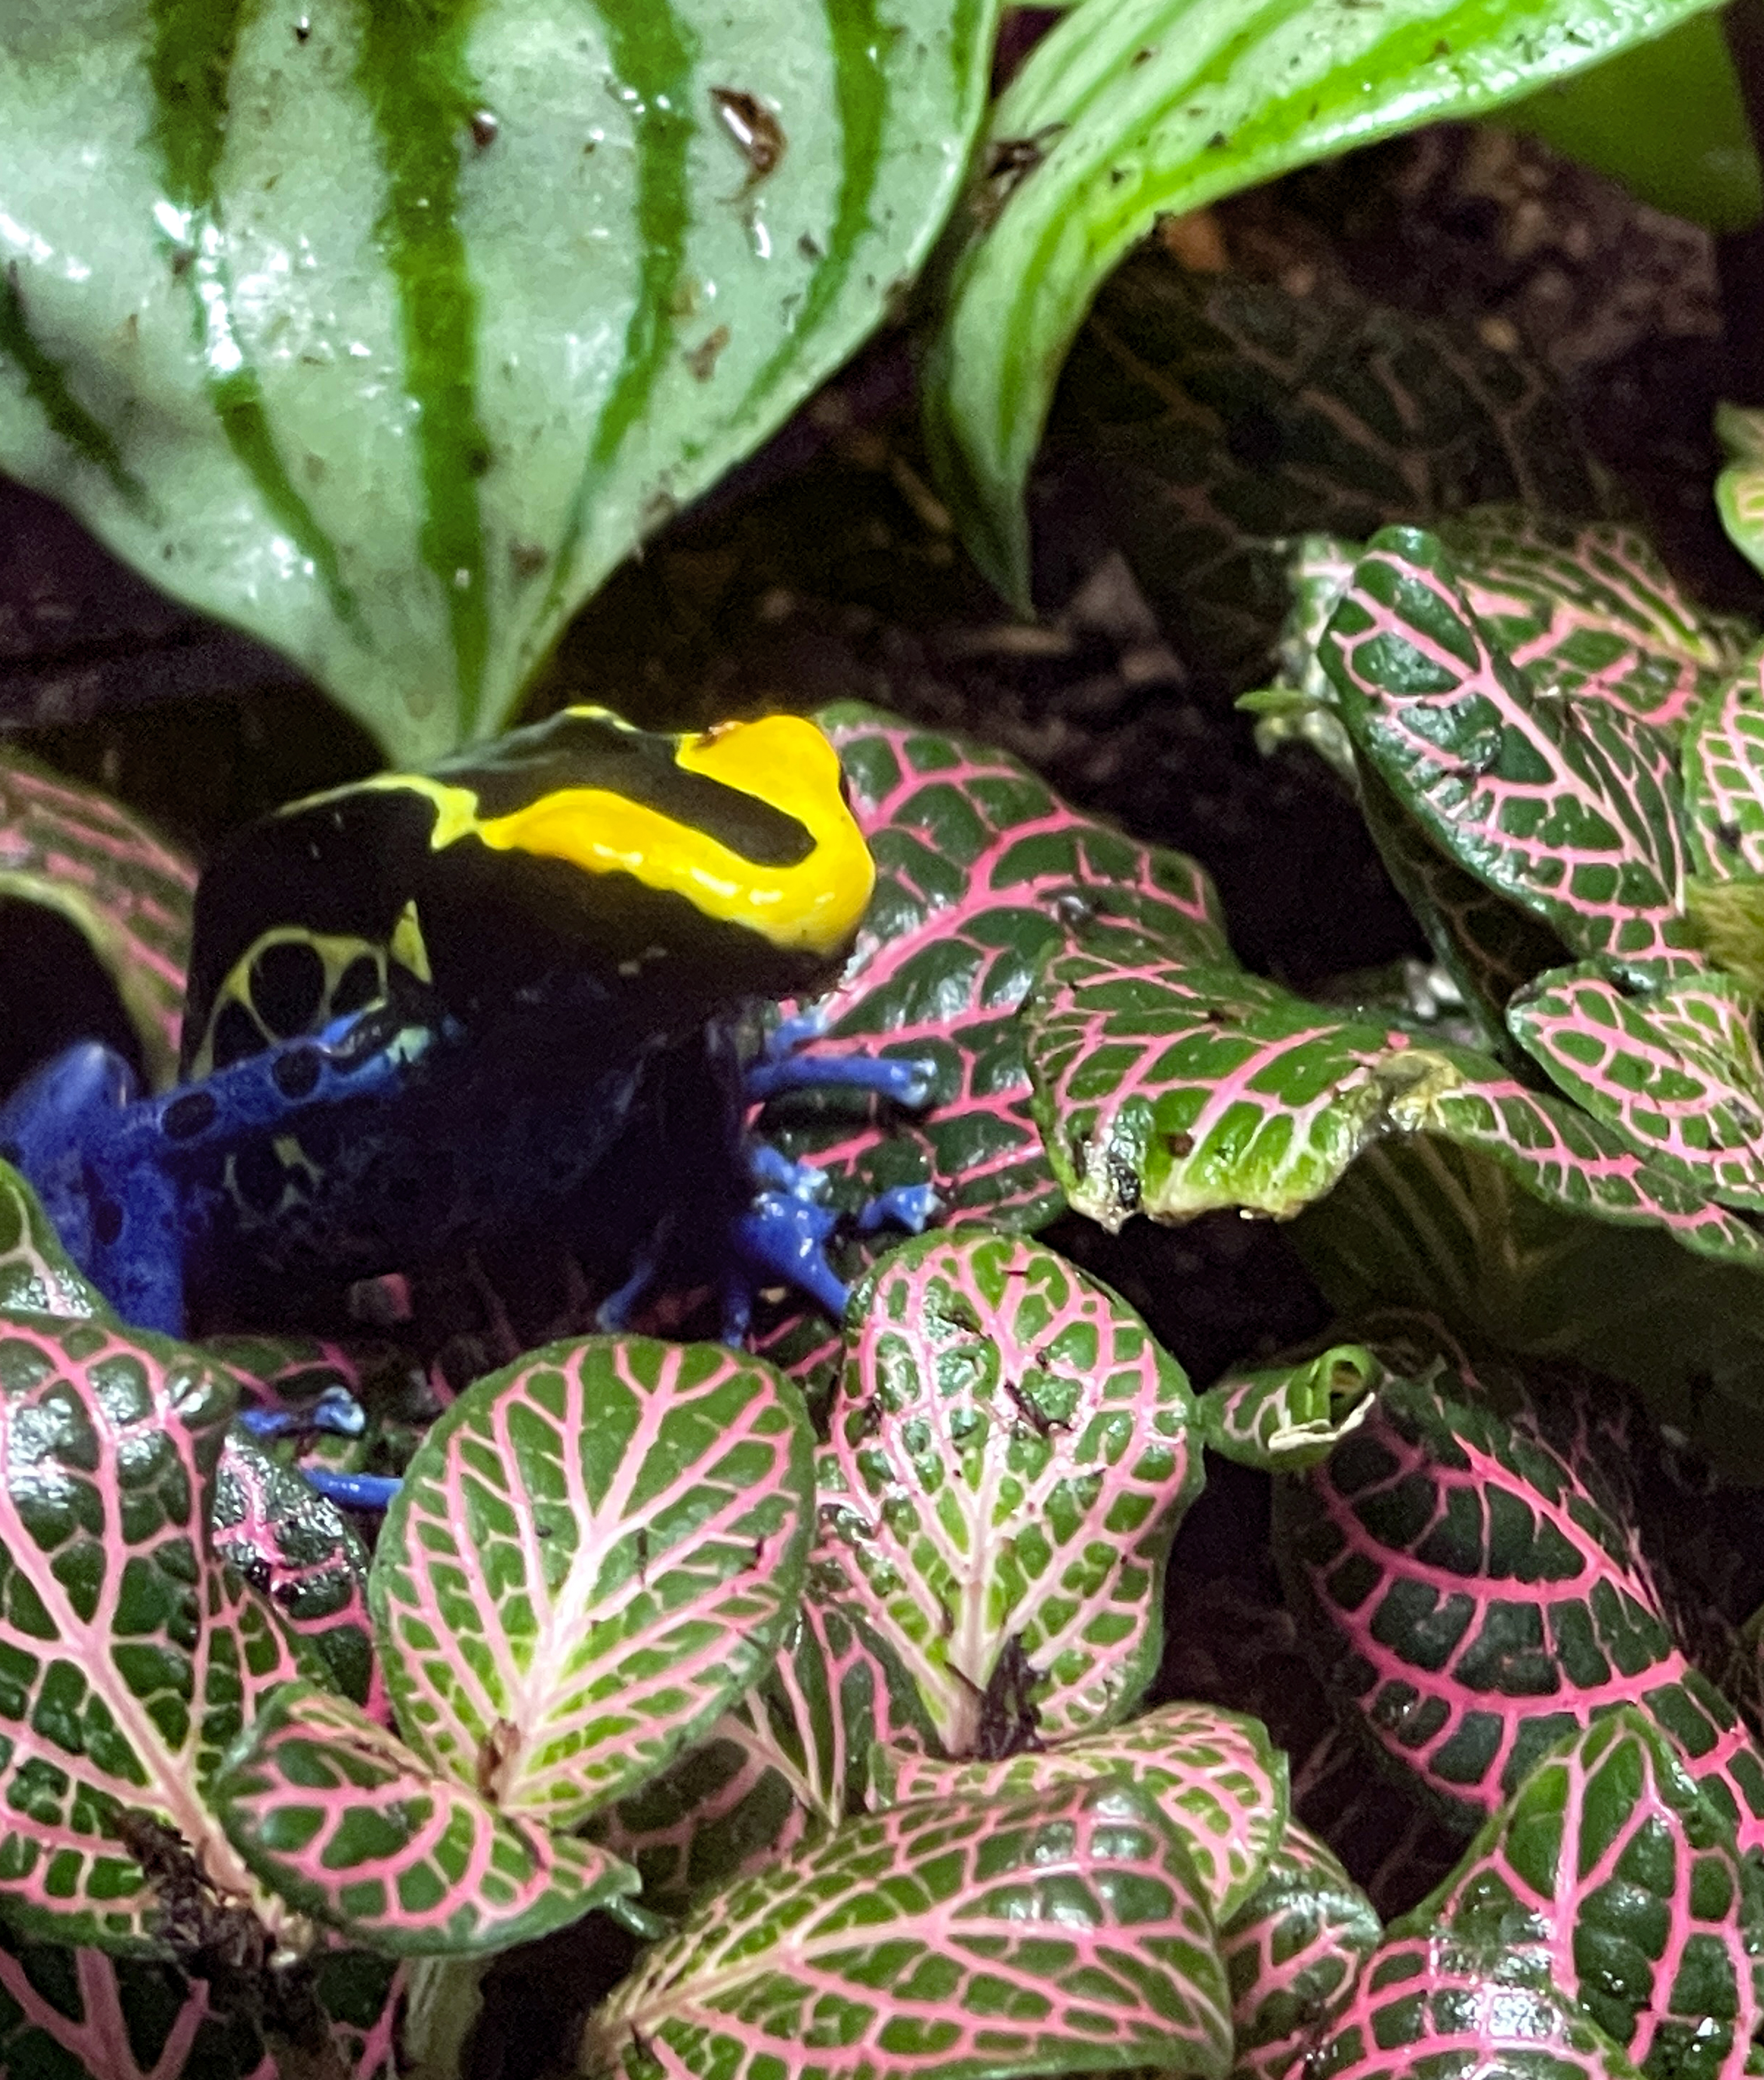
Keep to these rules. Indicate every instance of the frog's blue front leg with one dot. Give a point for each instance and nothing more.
(106, 1164)
(781, 1066)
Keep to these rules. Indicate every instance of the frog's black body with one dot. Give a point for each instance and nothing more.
(492, 1005)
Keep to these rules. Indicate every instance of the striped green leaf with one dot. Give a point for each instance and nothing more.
(387, 330)
(594, 1553)
(37, 1276)
(1137, 110)
(1739, 489)
(952, 1938)
(1287, 1416)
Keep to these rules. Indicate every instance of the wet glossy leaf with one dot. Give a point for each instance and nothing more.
(595, 1551)
(1475, 1597)
(1011, 1453)
(340, 1819)
(1216, 1776)
(1134, 112)
(125, 891)
(130, 1655)
(956, 1938)
(1615, 1873)
(297, 1549)
(978, 864)
(1293, 1952)
(1285, 1417)
(1572, 808)
(394, 372)
(1723, 775)
(1425, 1999)
(1676, 1070)
(37, 1276)
(1170, 1089)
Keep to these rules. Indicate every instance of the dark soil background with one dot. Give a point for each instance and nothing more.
(827, 569)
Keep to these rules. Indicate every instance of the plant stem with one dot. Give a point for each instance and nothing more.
(445, 2000)
(1740, 254)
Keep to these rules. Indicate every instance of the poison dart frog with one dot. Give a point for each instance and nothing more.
(505, 998)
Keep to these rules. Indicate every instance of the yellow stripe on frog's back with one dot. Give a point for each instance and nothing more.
(813, 906)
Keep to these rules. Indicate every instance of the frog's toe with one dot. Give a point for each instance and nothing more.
(912, 1207)
(336, 1413)
(365, 1491)
(904, 1079)
(783, 1236)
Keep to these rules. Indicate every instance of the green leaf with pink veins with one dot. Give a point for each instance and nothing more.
(1285, 1417)
(791, 1757)
(1676, 1070)
(335, 1813)
(944, 1939)
(595, 1551)
(1724, 776)
(1011, 1453)
(131, 1656)
(1610, 1868)
(1217, 1777)
(1293, 1952)
(37, 1276)
(1572, 808)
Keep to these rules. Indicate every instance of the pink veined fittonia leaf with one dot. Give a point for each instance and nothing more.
(791, 1757)
(1614, 1873)
(1467, 1592)
(950, 1939)
(1588, 610)
(298, 1549)
(1723, 775)
(127, 892)
(1424, 2004)
(1171, 1089)
(1678, 1070)
(1571, 808)
(132, 1656)
(1292, 1952)
(976, 862)
(1011, 1453)
(1284, 1417)
(37, 1276)
(337, 1816)
(1214, 1775)
(594, 1552)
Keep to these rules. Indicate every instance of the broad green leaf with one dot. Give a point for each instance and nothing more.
(954, 1938)
(386, 332)
(130, 1655)
(1158, 107)
(1011, 1453)
(791, 1757)
(341, 1820)
(1470, 1569)
(1572, 809)
(37, 1276)
(1611, 1870)
(1421, 1997)
(1292, 1951)
(1667, 121)
(1678, 1070)
(124, 889)
(594, 1552)
(1216, 1776)
(1285, 1417)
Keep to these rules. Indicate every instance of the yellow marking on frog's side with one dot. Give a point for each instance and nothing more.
(407, 946)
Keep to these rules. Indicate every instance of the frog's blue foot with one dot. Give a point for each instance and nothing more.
(364, 1491)
(336, 1413)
